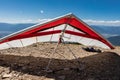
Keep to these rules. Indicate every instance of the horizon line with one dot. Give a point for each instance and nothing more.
(88, 21)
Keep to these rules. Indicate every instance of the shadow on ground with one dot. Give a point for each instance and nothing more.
(100, 66)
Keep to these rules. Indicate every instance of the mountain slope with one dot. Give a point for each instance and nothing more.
(115, 40)
(6, 28)
(107, 31)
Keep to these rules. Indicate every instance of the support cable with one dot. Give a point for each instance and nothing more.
(59, 41)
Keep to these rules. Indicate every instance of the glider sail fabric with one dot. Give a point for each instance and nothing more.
(75, 30)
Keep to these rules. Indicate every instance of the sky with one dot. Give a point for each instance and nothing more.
(95, 12)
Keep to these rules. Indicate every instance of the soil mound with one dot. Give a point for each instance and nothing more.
(103, 66)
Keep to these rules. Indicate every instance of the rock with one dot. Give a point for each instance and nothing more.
(51, 79)
(66, 68)
(8, 70)
(6, 76)
(91, 79)
(62, 77)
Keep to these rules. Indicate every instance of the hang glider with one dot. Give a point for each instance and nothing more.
(72, 28)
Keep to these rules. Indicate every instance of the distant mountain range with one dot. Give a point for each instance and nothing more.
(115, 40)
(6, 28)
(107, 31)
(110, 32)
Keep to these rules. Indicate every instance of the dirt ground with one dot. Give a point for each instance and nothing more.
(68, 62)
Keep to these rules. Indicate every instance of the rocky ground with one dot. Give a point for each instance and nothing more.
(29, 63)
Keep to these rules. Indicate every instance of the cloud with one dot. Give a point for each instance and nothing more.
(14, 21)
(26, 21)
(109, 35)
(34, 21)
(103, 22)
(88, 21)
(42, 20)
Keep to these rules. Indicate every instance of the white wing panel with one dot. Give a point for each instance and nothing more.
(70, 28)
(85, 41)
(28, 41)
(55, 37)
(60, 27)
(69, 38)
(15, 43)
(100, 44)
(73, 29)
(43, 38)
(4, 46)
(92, 42)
